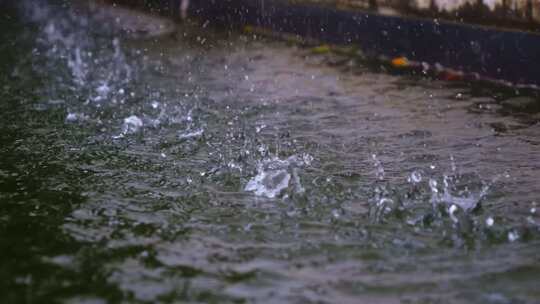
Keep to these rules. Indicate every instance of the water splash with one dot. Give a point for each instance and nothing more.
(76, 117)
(465, 192)
(270, 183)
(131, 125)
(383, 200)
(92, 67)
(379, 169)
(415, 177)
(513, 236)
(191, 134)
(454, 195)
(275, 175)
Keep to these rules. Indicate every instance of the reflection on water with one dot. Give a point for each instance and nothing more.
(208, 166)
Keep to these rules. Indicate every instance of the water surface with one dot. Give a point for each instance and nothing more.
(209, 166)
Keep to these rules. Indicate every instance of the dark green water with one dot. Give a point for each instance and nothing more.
(212, 167)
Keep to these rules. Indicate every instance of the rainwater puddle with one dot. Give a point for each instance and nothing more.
(209, 166)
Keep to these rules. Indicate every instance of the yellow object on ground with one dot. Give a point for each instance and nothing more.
(321, 49)
(248, 29)
(400, 62)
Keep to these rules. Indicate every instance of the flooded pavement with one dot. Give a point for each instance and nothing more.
(215, 167)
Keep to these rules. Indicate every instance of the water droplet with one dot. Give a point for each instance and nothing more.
(269, 183)
(513, 236)
(385, 202)
(131, 125)
(451, 211)
(262, 149)
(191, 134)
(453, 163)
(103, 89)
(379, 169)
(291, 213)
(433, 185)
(415, 177)
(235, 166)
(274, 175)
(307, 159)
(74, 117)
(71, 117)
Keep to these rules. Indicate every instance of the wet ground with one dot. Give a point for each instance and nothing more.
(210, 166)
